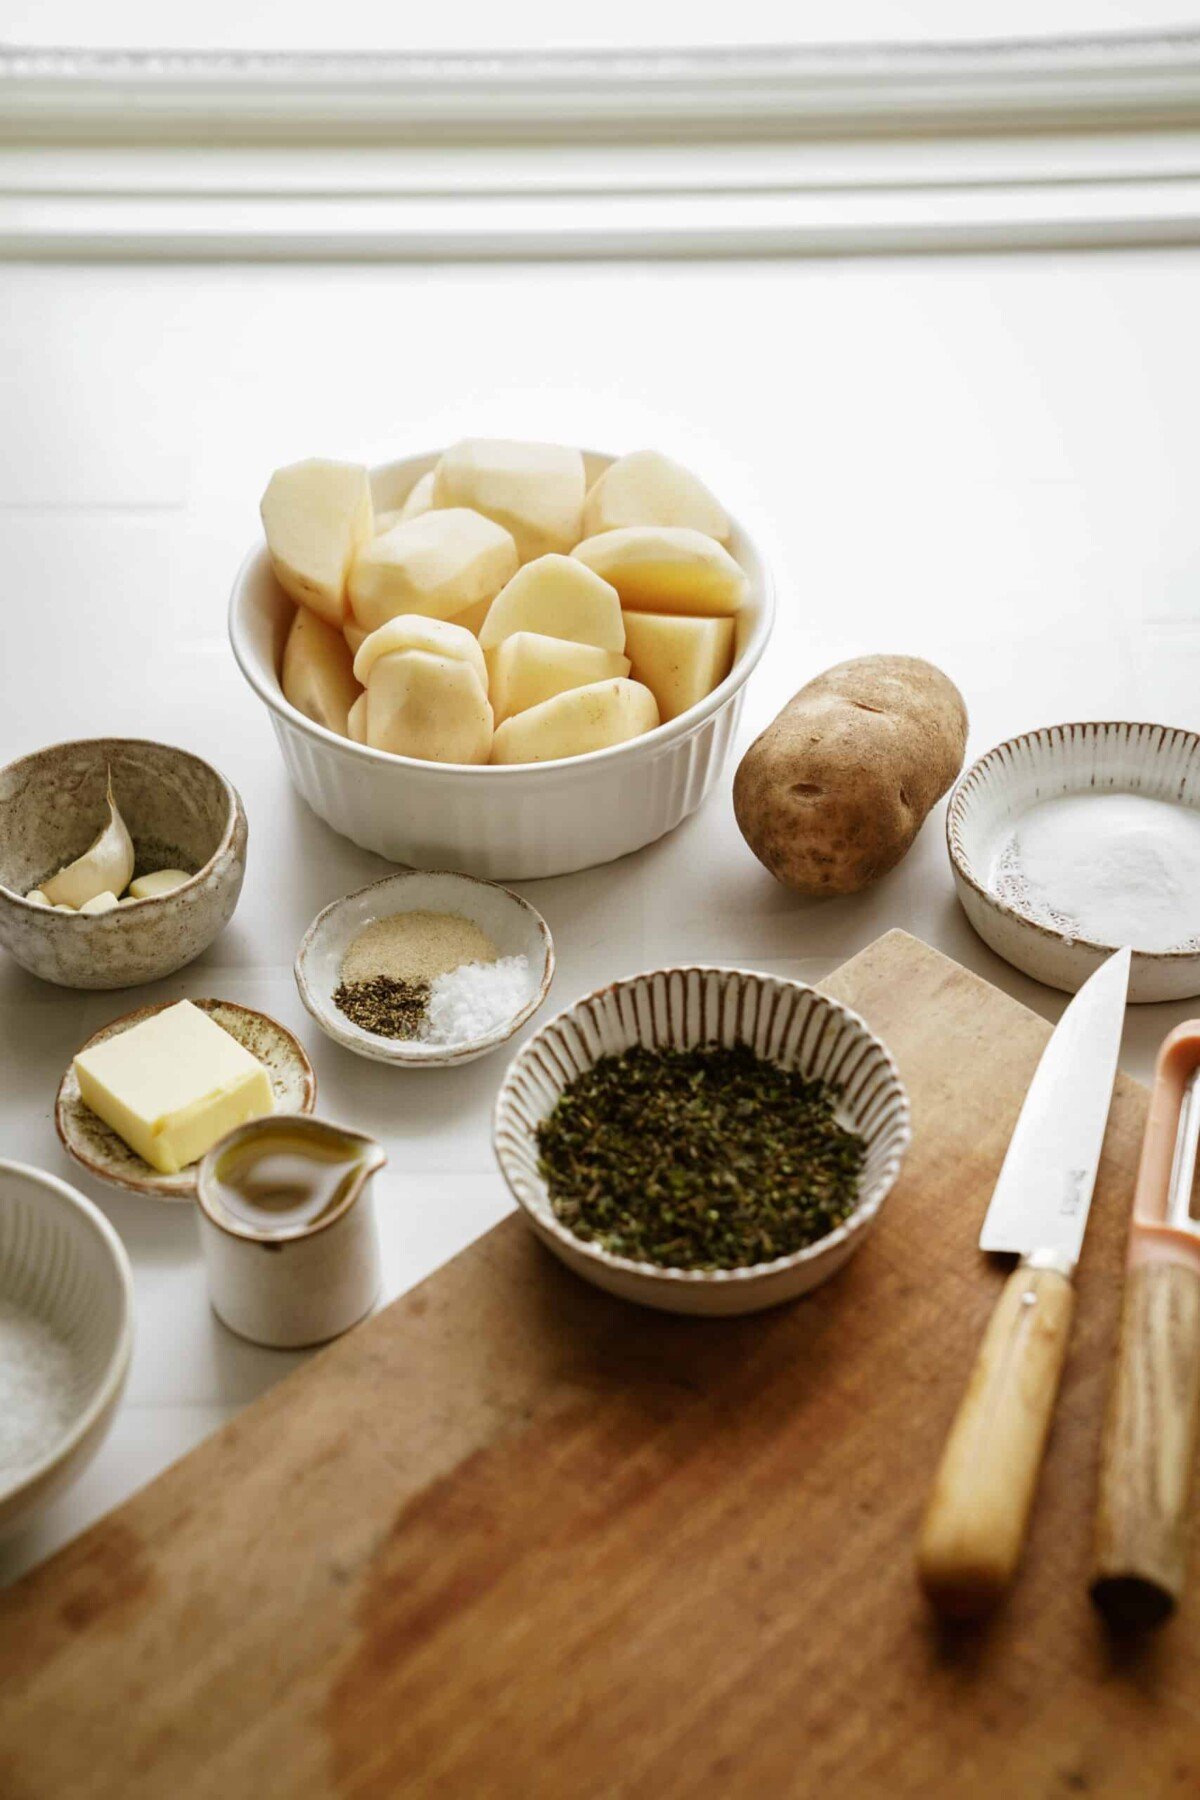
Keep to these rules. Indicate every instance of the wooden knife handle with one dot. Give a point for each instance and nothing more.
(978, 1512)
(1149, 1445)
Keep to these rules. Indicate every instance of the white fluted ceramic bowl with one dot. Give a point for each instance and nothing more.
(62, 1263)
(784, 1021)
(1160, 761)
(506, 823)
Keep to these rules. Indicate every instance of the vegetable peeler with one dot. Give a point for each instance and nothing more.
(1154, 1406)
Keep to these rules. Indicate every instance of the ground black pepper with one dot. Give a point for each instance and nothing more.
(384, 1006)
(700, 1159)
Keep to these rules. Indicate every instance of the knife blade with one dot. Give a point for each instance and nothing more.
(1043, 1193)
(978, 1512)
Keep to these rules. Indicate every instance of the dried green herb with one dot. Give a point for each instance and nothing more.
(698, 1159)
(384, 1005)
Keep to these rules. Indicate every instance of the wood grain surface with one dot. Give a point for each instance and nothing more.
(515, 1538)
(1148, 1450)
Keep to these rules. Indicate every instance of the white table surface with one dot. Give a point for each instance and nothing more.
(986, 461)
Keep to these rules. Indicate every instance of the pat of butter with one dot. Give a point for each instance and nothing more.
(171, 1086)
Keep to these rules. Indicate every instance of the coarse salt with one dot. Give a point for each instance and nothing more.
(37, 1389)
(1115, 868)
(475, 999)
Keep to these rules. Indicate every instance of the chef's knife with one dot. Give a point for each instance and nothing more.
(979, 1509)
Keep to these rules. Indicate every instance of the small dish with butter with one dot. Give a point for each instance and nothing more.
(172, 1089)
(120, 860)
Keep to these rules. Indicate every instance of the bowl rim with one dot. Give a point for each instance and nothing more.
(117, 1367)
(650, 741)
(863, 1215)
(396, 1051)
(1042, 736)
(153, 1186)
(233, 808)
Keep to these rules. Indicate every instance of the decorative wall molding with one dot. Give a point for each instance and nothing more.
(1063, 143)
(124, 96)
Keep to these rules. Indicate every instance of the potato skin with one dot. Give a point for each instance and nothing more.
(835, 790)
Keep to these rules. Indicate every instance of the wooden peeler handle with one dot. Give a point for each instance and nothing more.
(978, 1512)
(1154, 1404)
(1149, 1447)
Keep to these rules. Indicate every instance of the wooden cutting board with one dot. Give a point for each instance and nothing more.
(515, 1538)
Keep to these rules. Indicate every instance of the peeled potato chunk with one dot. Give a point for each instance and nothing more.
(556, 597)
(678, 658)
(528, 668)
(472, 619)
(571, 724)
(356, 721)
(318, 676)
(420, 498)
(432, 707)
(316, 516)
(536, 491)
(666, 569)
(646, 488)
(412, 632)
(438, 564)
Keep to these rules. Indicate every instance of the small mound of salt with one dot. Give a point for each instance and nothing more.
(475, 999)
(1115, 868)
(37, 1386)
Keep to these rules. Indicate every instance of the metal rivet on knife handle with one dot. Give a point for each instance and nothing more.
(1147, 1459)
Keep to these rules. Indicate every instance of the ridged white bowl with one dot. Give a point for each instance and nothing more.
(507, 823)
(62, 1262)
(784, 1021)
(1159, 761)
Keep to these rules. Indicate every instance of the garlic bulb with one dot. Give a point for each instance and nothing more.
(106, 868)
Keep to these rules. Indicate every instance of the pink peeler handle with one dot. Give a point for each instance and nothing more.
(1151, 1238)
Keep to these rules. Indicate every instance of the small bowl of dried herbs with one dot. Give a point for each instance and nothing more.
(703, 1140)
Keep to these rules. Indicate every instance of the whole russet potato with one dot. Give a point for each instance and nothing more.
(835, 790)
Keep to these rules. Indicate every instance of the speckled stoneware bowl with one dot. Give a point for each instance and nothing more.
(103, 1154)
(181, 814)
(1160, 761)
(783, 1021)
(62, 1264)
(515, 927)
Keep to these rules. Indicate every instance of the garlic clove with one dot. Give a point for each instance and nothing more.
(162, 881)
(104, 868)
(102, 903)
(36, 897)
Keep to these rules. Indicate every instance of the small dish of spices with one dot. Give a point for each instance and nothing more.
(424, 970)
(703, 1140)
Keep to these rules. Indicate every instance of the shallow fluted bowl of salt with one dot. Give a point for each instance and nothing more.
(66, 1336)
(1070, 842)
(471, 1009)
